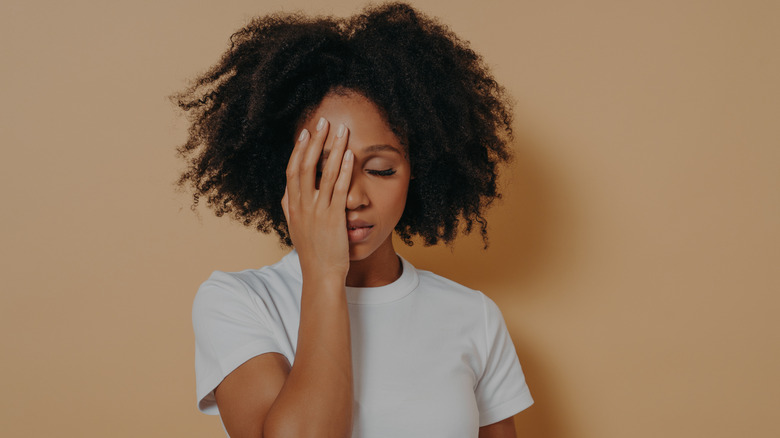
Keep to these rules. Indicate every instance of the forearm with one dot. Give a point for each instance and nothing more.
(317, 397)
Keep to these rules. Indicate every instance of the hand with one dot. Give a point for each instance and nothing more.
(316, 215)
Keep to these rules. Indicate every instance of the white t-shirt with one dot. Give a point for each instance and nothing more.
(431, 358)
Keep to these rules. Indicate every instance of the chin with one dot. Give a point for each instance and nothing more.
(358, 254)
(362, 250)
(359, 251)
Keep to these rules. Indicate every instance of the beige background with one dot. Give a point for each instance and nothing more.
(635, 255)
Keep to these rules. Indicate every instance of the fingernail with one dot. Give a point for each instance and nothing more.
(321, 123)
(342, 131)
(347, 155)
(303, 135)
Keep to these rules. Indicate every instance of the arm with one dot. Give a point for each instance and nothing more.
(503, 429)
(266, 397)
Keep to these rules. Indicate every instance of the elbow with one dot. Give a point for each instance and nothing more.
(297, 427)
(279, 426)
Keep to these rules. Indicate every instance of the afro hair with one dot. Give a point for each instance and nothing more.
(435, 93)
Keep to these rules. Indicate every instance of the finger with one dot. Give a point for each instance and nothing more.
(311, 159)
(330, 172)
(293, 165)
(341, 188)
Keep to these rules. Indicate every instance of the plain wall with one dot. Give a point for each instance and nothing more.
(635, 254)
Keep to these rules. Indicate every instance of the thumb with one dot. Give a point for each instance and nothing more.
(286, 205)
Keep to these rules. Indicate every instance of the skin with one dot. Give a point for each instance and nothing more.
(338, 178)
(378, 185)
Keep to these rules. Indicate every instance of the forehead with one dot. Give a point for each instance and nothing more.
(366, 124)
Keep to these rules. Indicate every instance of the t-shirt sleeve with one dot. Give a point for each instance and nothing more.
(501, 390)
(230, 328)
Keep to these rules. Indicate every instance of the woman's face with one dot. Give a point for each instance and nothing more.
(381, 172)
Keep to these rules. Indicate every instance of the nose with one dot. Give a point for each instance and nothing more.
(356, 196)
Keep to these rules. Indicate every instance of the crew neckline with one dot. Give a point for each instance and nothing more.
(401, 287)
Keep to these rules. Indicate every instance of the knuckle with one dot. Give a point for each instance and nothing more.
(345, 178)
(340, 188)
(328, 175)
(308, 166)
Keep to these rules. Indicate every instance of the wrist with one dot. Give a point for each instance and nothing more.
(323, 271)
(324, 280)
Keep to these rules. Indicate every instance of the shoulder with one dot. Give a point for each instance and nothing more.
(441, 287)
(247, 288)
(239, 315)
(471, 305)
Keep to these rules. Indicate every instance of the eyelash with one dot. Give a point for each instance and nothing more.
(386, 172)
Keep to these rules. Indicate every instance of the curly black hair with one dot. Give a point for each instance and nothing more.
(435, 93)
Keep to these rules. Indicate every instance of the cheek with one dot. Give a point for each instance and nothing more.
(396, 198)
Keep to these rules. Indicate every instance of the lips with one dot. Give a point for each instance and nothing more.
(357, 230)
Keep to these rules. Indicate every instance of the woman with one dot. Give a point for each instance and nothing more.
(333, 134)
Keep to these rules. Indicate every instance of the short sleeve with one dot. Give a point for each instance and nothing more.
(230, 328)
(501, 389)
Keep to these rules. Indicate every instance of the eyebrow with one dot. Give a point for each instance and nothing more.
(372, 149)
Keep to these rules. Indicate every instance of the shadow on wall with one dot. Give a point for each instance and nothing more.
(544, 418)
(522, 232)
(521, 226)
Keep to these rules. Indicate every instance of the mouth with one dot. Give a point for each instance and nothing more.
(357, 232)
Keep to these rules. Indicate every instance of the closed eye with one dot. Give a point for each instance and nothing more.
(386, 172)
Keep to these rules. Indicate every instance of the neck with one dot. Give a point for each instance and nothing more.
(381, 268)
